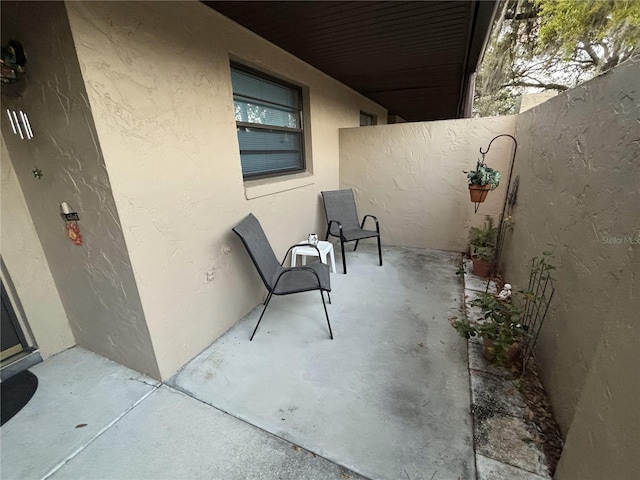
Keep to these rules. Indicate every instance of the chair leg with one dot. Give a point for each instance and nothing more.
(327, 314)
(344, 258)
(379, 250)
(266, 304)
(329, 295)
(356, 247)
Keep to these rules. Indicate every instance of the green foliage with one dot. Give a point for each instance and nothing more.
(485, 236)
(542, 266)
(500, 323)
(494, 103)
(568, 24)
(540, 271)
(465, 328)
(484, 175)
(486, 254)
(539, 45)
(484, 240)
(506, 323)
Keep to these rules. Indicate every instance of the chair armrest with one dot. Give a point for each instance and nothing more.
(300, 245)
(298, 269)
(339, 227)
(375, 219)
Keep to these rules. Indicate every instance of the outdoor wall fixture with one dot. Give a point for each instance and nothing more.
(12, 67)
(71, 223)
(20, 123)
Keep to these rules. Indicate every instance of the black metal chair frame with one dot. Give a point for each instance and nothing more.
(343, 240)
(285, 271)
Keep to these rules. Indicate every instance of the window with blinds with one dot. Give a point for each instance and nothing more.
(367, 120)
(269, 123)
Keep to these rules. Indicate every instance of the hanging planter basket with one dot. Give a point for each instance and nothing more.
(478, 192)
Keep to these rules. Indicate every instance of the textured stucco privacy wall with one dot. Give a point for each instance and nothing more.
(527, 102)
(410, 176)
(579, 195)
(95, 281)
(158, 79)
(27, 267)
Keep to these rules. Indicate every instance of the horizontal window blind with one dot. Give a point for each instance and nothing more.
(251, 86)
(269, 124)
(269, 150)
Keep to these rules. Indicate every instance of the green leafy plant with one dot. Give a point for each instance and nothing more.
(484, 175)
(542, 266)
(485, 254)
(535, 295)
(485, 236)
(515, 322)
(483, 245)
(500, 323)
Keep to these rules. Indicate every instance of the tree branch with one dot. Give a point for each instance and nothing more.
(591, 52)
(521, 16)
(545, 86)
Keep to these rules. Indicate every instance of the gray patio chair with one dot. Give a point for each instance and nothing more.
(342, 221)
(278, 279)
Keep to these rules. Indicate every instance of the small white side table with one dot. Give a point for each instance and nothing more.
(304, 252)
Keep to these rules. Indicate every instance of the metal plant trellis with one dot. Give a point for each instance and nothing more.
(538, 297)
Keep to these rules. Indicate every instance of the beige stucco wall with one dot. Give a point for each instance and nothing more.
(410, 176)
(158, 80)
(579, 196)
(603, 439)
(28, 269)
(527, 102)
(95, 281)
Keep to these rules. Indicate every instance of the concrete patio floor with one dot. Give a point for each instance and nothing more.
(388, 398)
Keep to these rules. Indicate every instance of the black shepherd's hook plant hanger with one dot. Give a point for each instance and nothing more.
(506, 197)
(482, 162)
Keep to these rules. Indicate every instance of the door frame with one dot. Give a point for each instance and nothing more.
(15, 322)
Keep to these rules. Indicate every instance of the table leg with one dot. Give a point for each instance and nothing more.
(333, 260)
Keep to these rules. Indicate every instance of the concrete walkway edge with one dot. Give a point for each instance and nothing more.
(504, 440)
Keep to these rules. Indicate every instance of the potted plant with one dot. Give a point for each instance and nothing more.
(500, 327)
(482, 245)
(481, 181)
(483, 261)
